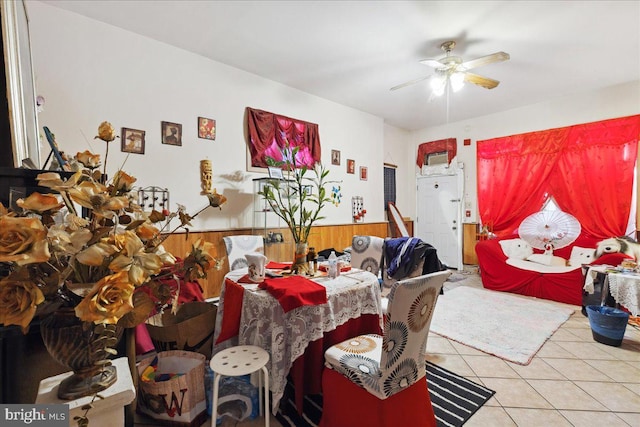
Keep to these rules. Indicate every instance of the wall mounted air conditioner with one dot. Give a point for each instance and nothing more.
(438, 158)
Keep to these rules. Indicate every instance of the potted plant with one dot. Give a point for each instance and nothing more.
(298, 199)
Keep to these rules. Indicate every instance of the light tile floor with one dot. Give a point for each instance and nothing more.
(572, 381)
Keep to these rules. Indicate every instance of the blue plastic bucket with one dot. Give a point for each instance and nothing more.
(607, 324)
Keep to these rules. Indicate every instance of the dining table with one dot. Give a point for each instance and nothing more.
(295, 320)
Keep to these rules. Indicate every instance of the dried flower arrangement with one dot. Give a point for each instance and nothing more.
(103, 264)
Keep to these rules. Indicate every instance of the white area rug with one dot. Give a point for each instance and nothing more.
(498, 323)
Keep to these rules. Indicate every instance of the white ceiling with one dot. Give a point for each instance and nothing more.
(353, 52)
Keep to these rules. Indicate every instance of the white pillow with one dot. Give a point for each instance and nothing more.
(547, 260)
(516, 248)
(581, 256)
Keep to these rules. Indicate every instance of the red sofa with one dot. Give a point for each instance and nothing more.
(565, 287)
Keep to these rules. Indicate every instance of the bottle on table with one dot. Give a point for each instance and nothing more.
(333, 266)
(312, 260)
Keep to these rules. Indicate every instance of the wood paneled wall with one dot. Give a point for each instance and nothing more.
(321, 237)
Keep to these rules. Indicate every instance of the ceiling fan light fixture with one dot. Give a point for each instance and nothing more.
(457, 81)
(454, 71)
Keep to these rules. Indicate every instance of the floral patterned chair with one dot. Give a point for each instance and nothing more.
(238, 246)
(366, 253)
(374, 380)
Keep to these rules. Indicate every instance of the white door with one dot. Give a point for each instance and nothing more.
(439, 216)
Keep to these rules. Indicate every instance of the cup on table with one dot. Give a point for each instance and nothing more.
(256, 262)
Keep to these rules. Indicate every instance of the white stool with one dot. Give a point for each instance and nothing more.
(238, 361)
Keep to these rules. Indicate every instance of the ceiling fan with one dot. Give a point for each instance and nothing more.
(453, 69)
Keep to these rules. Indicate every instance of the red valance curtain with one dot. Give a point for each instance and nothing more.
(588, 169)
(427, 148)
(268, 133)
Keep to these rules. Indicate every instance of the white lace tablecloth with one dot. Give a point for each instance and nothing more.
(625, 289)
(591, 275)
(285, 336)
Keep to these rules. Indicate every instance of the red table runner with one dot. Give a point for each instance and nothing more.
(233, 294)
(245, 279)
(295, 291)
(272, 265)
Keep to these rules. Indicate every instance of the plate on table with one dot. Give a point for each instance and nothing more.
(273, 273)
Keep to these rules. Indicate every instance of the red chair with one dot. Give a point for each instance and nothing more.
(374, 380)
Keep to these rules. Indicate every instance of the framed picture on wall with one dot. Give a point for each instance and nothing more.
(335, 157)
(206, 128)
(351, 166)
(171, 133)
(132, 141)
(363, 173)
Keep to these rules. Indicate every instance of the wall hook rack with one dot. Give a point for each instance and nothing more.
(155, 198)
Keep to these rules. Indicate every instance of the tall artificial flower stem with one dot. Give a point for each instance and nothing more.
(104, 169)
(107, 133)
(200, 211)
(67, 202)
(166, 236)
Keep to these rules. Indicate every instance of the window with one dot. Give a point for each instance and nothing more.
(550, 205)
(389, 184)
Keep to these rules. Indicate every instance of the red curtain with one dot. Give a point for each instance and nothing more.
(427, 148)
(512, 176)
(588, 169)
(268, 133)
(593, 179)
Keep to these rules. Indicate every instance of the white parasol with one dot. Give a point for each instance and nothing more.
(549, 229)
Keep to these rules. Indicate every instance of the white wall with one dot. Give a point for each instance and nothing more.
(617, 101)
(89, 72)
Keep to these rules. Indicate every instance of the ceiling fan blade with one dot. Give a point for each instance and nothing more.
(432, 63)
(485, 82)
(409, 83)
(484, 60)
